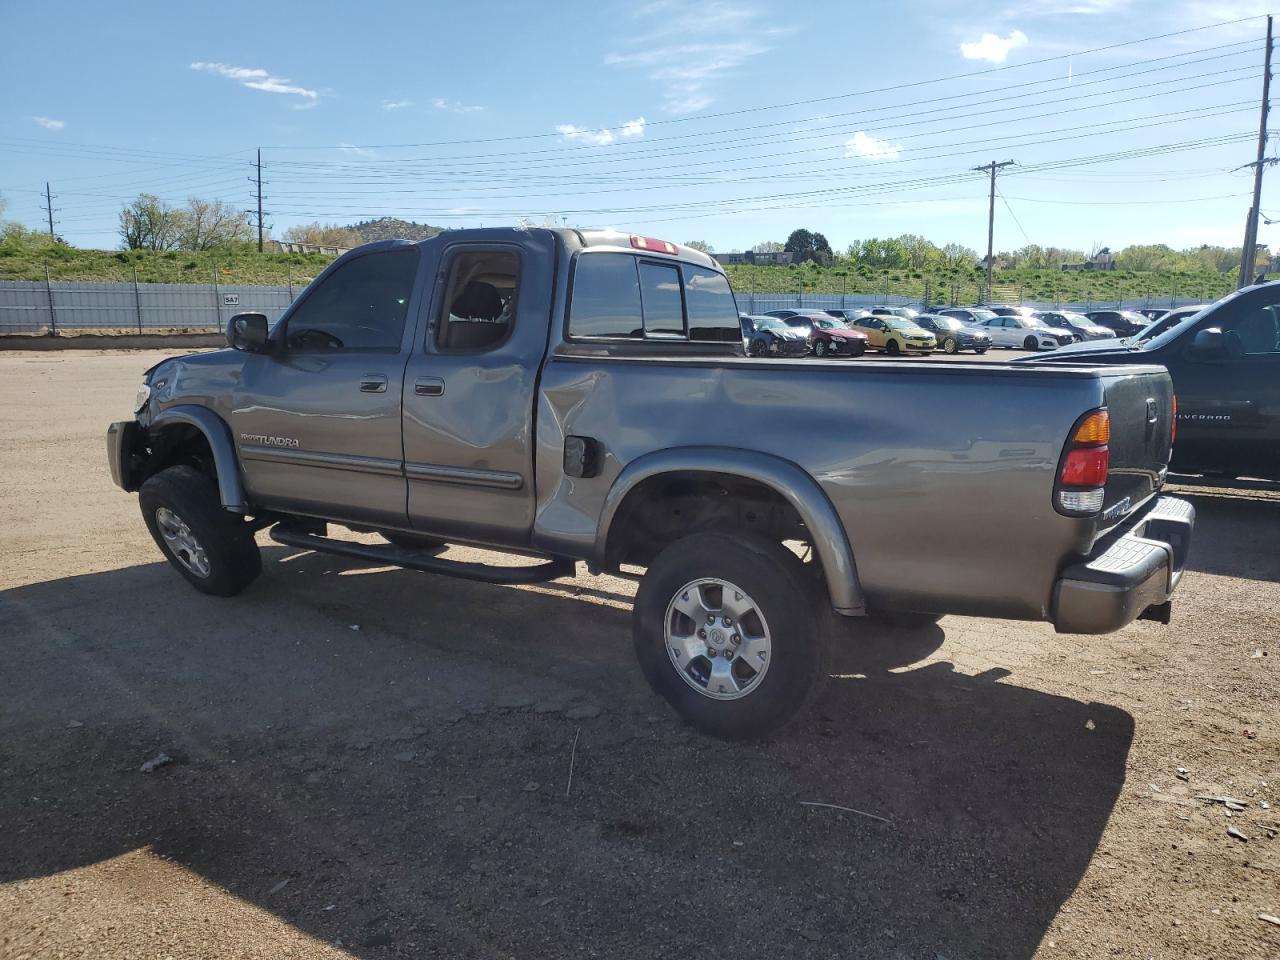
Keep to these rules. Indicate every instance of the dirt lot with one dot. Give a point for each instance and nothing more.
(375, 763)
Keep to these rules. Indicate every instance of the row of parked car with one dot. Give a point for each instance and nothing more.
(902, 330)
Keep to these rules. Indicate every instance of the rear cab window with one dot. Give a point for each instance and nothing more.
(620, 296)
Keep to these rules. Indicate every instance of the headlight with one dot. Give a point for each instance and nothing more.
(141, 397)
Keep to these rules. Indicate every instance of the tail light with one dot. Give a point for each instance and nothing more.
(652, 245)
(1082, 478)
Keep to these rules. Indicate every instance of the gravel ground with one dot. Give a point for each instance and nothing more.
(376, 763)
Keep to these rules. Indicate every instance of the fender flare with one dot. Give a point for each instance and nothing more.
(218, 434)
(796, 486)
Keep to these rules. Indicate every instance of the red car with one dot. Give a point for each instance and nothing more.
(828, 337)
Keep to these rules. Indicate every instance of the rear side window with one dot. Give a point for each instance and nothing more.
(620, 296)
(479, 305)
(606, 297)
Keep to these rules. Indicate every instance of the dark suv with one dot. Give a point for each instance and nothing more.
(1125, 323)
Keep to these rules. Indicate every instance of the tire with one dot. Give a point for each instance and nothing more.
(411, 541)
(212, 548)
(1030, 343)
(892, 349)
(782, 607)
(820, 349)
(949, 345)
(756, 349)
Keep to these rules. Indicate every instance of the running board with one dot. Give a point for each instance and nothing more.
(415, 560)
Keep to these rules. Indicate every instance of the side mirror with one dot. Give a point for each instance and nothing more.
(1209, 346)
(248, 332)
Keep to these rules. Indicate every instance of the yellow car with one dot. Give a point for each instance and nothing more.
(895, 335)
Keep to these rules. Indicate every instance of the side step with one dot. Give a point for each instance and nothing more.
(414, 560)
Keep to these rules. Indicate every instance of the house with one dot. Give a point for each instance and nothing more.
(1102, 260)
(782, 257)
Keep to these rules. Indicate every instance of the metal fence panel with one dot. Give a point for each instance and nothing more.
(38, 308)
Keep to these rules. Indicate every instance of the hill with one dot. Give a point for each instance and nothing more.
(392, 228)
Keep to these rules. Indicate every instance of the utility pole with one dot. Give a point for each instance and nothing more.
(48, 206)
(1248, 255)
(257, 182)
(991, 214)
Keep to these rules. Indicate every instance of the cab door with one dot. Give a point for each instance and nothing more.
(470, 391)
(1229, 404)
(317, 420)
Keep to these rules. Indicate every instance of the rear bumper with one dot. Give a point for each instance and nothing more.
(122, 438)
(1136, 571)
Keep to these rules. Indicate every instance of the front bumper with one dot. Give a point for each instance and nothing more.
(1136, 571)
(122, 446)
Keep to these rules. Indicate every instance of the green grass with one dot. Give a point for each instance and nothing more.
(25, 255)
(25, 260)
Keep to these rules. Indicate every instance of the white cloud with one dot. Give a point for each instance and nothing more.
(993, 48)
(256, 78)
(871, 148)
(50, 124)
(442, 104)
(396, 104)
(695, 48)
(630, 130)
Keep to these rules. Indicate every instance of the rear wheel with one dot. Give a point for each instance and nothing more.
(949, 345)
(729, 629)
(892, 348)
(212, 548)
(1030, 343)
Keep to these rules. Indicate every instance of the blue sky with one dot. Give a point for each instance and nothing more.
(730, 122)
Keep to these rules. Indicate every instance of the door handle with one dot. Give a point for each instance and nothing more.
(373, 383)
(428, 387)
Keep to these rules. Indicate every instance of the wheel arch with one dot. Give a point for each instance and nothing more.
(783, 478)
(221, 447)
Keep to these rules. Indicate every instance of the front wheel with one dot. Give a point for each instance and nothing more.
(729, 630)
(756, 349)
(949, 345)
(1030, 343)
(892, 348)
(212, 548)
(820, 349)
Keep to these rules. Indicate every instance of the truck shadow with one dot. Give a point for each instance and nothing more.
(1235, 534)
(401, 774)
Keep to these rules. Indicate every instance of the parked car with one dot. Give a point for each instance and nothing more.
(848, 316)
(830, 337)
(906, 313)
(782, 314)
(1077, 323)
(1123, 323)
(1005, 310)
(894, 335)
(1026, 333)
(1167, 320)
(579, 396)
(1225, 365)
(1152, 313)
(974, 316)
(770, 337)
(952, 335)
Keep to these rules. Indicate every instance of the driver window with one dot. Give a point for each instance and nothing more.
(479, 306)
(361, 306)
(1253, 331)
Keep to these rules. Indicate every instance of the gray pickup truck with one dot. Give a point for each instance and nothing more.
(583, 396)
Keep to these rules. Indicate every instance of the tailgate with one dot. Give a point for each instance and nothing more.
(1141, 410)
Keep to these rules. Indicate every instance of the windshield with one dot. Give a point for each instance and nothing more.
(898, 323)
(1079, 320)
(982, 316)
(947, 323)
(770, 324)
(827, 324)
(905, 312)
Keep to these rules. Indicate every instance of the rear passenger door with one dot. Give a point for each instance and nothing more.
(317, 420)
(470, 388)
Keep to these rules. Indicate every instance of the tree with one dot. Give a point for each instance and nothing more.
(149, 223)
(806, 245)
(768, 246)
(323, 235)
(958, 255)
(211, 223)
(919, 251)
(699, 245)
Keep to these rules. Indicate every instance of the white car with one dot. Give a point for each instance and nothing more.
(1025, 333)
